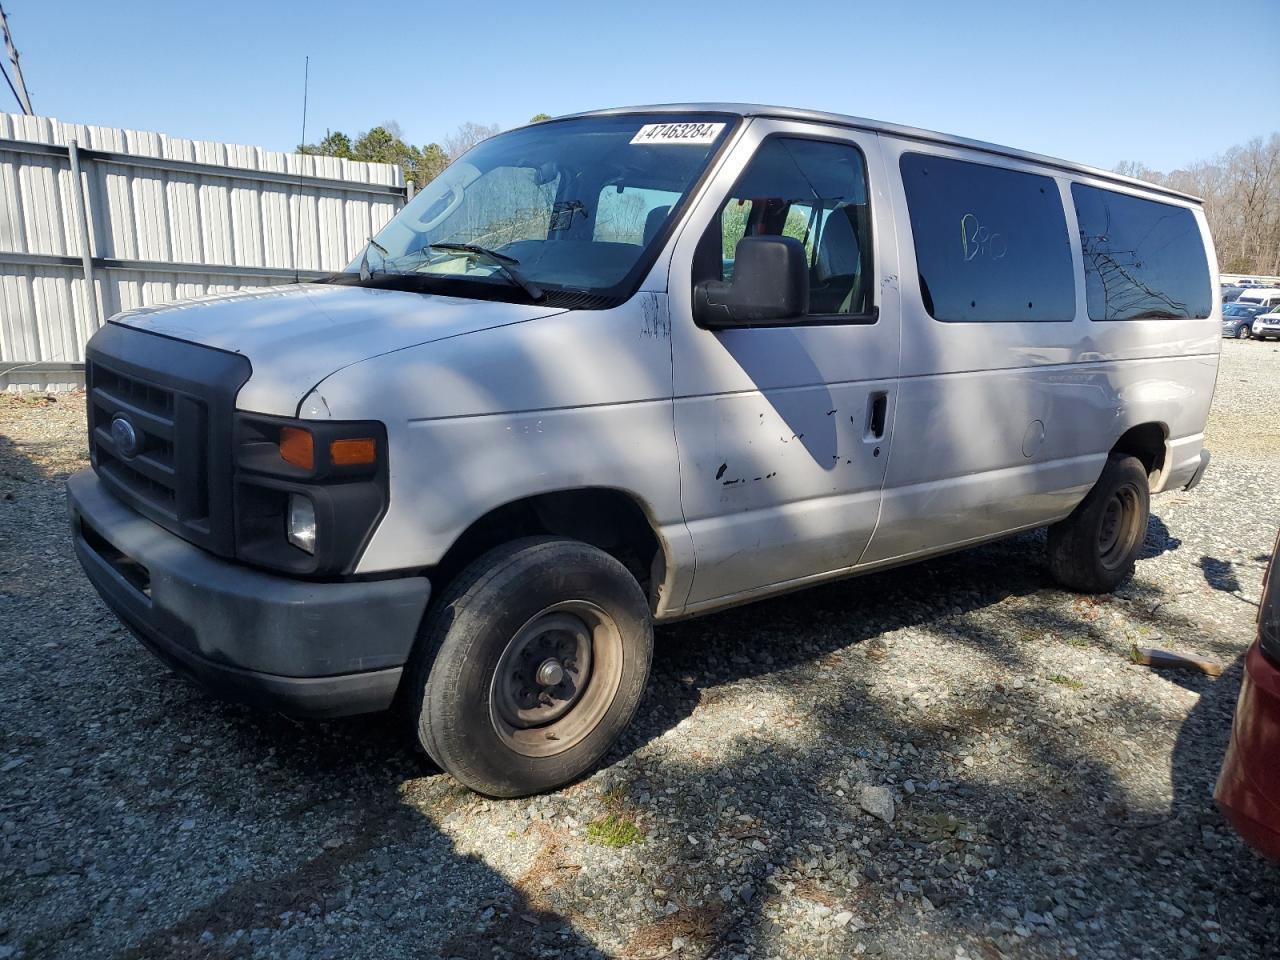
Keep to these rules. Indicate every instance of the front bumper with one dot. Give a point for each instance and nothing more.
(306, 648)
(1248, 791)
(1199, 474)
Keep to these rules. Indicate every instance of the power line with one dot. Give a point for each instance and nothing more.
(11, 86)
(16, 84)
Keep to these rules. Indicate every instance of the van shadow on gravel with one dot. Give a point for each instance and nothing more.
(1158, 539)
(167, 839)
(1117, 846)
(355, 770)
(373, 847)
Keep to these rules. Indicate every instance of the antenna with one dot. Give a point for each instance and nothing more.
(20, 91)
(306, 81)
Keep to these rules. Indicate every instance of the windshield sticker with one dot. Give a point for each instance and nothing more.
(693, 133)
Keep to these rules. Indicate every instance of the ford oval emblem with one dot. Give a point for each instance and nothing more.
(125, 436)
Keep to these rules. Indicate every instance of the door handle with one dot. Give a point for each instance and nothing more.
(877, 410)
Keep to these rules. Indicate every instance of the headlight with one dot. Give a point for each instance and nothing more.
(308, 493)
(302, 522)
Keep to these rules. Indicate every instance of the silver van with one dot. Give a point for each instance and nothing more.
(626, 367)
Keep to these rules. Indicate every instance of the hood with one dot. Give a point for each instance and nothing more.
(296, 335)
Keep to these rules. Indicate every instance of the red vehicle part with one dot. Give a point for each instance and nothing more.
(1248, 791)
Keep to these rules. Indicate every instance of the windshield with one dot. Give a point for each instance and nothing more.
(1239, 310)
(571, 210)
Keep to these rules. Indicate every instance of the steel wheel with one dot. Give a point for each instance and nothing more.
(556, 679)
(530, 665)
(1118, 532)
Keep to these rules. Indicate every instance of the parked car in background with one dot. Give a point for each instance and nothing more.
(469, 473)
(1267, 325)
(1237, 319)
(1230, 293)
(1248, 791)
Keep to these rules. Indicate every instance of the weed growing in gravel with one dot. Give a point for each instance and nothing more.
(614, 830)
(941, 826)
(1065, 681)
(613, 798)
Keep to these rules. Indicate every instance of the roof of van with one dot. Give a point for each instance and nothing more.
(897, 130)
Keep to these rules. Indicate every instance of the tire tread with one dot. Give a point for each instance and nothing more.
(1073, 559)
(459, 621)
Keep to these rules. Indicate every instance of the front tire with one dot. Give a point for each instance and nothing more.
(1243, 333)
(530, 666)
(1094, 549)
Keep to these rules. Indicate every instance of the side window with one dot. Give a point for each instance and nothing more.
(816, 192)
(632, 214)
(991, 244)
(1142, 259)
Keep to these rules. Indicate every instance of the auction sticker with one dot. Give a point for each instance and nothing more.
(695, 133)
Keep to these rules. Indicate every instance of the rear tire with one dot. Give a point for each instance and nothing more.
(530, 666)
(1094, 549)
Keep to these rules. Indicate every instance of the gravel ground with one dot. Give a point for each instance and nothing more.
(950, 760)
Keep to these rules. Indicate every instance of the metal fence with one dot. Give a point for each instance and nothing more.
(94, 220)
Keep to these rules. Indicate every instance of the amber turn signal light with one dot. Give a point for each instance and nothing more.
(353, 453)
(297, 447)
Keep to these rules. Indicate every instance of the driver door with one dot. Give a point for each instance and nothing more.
(783, 430)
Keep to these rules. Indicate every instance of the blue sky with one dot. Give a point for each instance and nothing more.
(1096, 82)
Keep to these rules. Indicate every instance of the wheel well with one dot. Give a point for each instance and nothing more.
(603, 517)
(1146, 442)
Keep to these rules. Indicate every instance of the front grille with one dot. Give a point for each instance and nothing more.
(178, 400)
(164, 422)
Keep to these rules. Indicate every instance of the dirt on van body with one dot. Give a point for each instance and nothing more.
(954, 759)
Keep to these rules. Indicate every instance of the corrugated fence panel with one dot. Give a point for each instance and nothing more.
(40, 319)
(138, 288)
(156, 205)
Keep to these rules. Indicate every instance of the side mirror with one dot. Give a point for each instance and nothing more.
(770, 284)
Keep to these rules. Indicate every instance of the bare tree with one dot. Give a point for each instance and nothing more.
(467, 136)
(1241, 191)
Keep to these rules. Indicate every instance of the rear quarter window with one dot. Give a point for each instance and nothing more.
(991, 243)
(1143, 260)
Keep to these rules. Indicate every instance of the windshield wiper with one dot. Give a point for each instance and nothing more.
(365, 272)
(500, 260)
